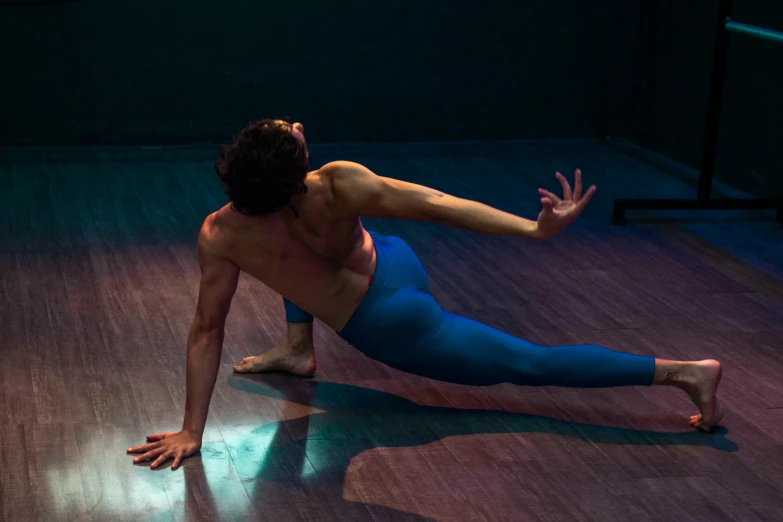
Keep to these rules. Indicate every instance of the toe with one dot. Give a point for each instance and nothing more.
(245, 365)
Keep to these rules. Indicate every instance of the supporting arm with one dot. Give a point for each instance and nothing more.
(205, 343)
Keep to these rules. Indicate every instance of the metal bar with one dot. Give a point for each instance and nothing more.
(710, 141)
(695, 204)
(621, 205)
(752, 30)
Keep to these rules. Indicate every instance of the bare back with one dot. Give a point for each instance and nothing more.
(320, 264)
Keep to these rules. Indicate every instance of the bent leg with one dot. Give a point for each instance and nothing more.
(294, 314)
(294, 355)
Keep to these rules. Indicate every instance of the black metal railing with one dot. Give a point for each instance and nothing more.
(703, 200)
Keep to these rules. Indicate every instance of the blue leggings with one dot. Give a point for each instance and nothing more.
(400, 324)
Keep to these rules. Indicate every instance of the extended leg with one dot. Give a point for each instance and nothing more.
(468, 352)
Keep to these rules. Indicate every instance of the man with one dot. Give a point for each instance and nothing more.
(300, 233)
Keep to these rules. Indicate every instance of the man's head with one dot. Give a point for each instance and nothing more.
(264, 167)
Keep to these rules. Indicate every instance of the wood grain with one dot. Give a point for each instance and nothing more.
(98, 284)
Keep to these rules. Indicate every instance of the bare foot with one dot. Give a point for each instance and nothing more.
(281, 358)
(702, 379)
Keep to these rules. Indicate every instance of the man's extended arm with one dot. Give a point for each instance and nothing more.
(359, 191)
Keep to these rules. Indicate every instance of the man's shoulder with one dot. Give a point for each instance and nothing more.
(352, 188)
(341, 168)
(346, 176)
(336, 177)
(211, 237)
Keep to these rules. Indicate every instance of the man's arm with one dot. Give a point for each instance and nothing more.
(219, 278)
(358, 191)
(205, 342)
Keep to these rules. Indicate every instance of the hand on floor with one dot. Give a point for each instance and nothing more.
(165, 446)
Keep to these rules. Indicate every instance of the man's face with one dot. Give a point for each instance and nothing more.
(297, 129)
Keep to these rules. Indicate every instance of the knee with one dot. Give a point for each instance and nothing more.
(416, 313)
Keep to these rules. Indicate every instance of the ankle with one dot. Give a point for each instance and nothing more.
(673, 373)
(300, 346)
(299, 337)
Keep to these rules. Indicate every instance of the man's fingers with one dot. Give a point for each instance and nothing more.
(177, 460)
(549, 195)
(548, 205)
(587, 197)
(149, 455)
(156, 437)
(566, 187)
(160, 460)
(577, 185)
(145, 447)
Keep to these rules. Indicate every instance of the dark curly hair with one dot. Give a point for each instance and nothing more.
(263, 168)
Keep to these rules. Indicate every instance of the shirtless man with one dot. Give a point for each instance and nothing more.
(300, 233)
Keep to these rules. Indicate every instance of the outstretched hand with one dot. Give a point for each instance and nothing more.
(558, 213)
(165, 446)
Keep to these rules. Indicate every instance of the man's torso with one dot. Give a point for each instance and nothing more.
(321, 265)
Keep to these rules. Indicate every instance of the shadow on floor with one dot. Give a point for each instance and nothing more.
(311, 453)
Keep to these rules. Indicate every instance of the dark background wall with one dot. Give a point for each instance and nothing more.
(671, 103)
(162, 72)
(90, 71)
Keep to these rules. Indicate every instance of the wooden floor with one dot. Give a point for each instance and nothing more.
(98, 281)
